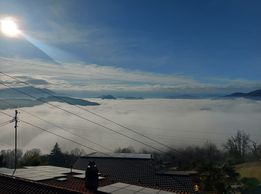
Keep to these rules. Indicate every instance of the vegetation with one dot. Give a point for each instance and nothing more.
(218, 178)
(237, 164)
(34, 157)
(250, 170)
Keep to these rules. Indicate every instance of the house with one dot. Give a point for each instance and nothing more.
(137, 169)
(58, 180)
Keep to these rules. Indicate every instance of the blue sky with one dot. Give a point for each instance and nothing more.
(202, 42)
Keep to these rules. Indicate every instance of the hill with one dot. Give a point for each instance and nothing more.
(184, 96)
(109, 97)
(256, 94)
(69, 100)
(250, 170)
(9, 93)
(15, 99)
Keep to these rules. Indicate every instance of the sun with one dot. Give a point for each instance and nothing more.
(9, 27)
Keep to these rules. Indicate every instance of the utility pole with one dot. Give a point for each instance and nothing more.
(15, 151)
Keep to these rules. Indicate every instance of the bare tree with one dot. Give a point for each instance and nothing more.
(238, 145)
(256, 150)
(77, 152)
(32, 158)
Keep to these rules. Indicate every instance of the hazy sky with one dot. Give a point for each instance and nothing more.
(192, 45)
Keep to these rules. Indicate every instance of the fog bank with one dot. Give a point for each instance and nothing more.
(173, 122)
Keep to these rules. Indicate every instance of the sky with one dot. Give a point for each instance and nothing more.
(168, 47)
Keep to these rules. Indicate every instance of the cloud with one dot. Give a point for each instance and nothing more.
(92, 77)
(173, 122)
(31, 80)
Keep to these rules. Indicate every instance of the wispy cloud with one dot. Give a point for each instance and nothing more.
(91, 77)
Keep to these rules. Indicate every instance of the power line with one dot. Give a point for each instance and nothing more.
(65, 138)
(79, 116)
(4, 124)
(79, 136)
(195, 139)
(60, 127)
(33, 125)
(98, 115)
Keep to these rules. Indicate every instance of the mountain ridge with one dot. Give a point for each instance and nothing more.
(256, 94)
(12, 98)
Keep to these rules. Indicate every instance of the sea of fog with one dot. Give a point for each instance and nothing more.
(174, 122)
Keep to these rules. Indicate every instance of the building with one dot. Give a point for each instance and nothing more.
(137, 169)
(58, 180)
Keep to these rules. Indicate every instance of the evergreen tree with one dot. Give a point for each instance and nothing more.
(56, 156)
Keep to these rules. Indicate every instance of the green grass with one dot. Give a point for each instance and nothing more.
(250, 170)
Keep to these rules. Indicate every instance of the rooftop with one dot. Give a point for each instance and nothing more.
(65, 179)
(123, 188)
(11, 185)
(177, 173)
(138, 172)
(120, 155)
(56, 180)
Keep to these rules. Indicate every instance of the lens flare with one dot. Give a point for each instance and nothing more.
(9, 27)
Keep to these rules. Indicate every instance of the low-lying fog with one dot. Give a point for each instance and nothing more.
(173, 122)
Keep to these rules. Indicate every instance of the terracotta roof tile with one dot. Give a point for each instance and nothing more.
(137, 172)
(10, 185)
(73, 183)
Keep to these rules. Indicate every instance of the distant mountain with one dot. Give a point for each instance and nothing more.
(14, 99)
(18, 103)
(9, 93)
(110, 97)
(252, 95)
(68, 100)
(184, 96)
(131, 98)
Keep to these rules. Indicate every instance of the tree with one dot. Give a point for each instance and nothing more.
(56, 156)
(218, 178)
(72, 157)
(8, 157)
(256, 150)
(125, 150)
(77, 152)
(31, 158)
(249, 185)
(238, 145)
(1, 160)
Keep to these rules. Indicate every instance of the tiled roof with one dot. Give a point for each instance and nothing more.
(10, 185)
(120, 155)
(73, 183)
(137, 172)
(124, 188)
(54, 176)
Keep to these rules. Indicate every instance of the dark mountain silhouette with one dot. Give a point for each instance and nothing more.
(14, 99)
(110, 97)
(69, 100)
(252, 95)
(9, 93)
(18, 103)
(131, 98)
(184, 96)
